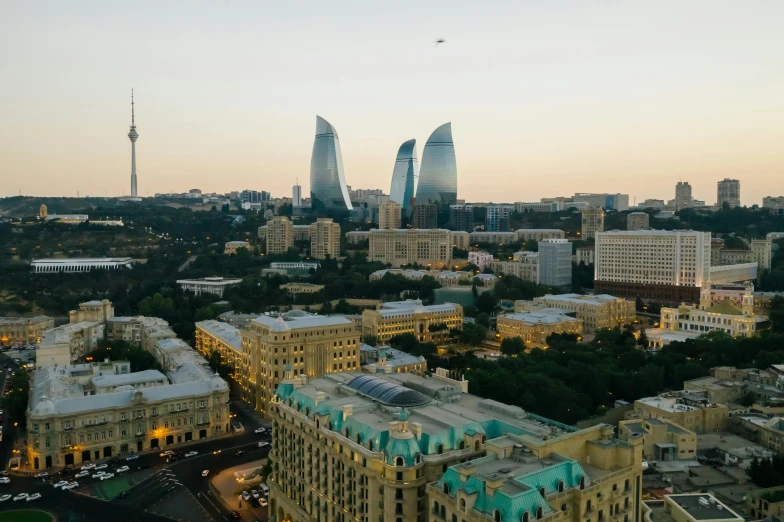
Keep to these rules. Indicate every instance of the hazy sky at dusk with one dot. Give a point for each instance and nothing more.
(545, 98)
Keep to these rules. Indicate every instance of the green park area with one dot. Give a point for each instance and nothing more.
(26, 515)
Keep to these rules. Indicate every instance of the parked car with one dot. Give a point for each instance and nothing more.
(4, 498)
(245, 495)
(166, 453)
(205, 473)
(5, 480)
(259, 430)
(107, 476)
(99, 474)
(88, 466)
(101, 466)
(43, 474)
(82, 474)
(235, 515)
(20, 496)
(191, 453)
(34, 496)
(132, 457)
(263, 502)
(255, 494)
(61, 484)
(122, 469)
(71, 485)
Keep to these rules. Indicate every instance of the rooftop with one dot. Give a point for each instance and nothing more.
(590, 300)
(223, 331)
(62, 334)
(545, 316)
(300, 319)
(715, 510)
(129, 378)
(210, 281)
(24, 320)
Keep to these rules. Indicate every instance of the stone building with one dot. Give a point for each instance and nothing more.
(429, 323)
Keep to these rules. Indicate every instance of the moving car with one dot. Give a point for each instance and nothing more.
(4, 498)
(205, 473)
(42, 474)
(262, 444)
(122, 469)
(239, 453)
(20, 496)
(5, 480)
(259, 430)
(101, 466)
(245, 495)
(82, 474)
(191, 453)
(107, 476)
(34, 496)
(132, 457)
(166, 453)
(61, 484)
(235, 515)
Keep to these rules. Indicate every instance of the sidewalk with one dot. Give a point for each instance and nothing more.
(225, 484)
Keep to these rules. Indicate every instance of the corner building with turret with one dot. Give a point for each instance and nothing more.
(402, 448)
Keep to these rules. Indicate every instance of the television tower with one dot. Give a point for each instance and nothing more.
(133, 135)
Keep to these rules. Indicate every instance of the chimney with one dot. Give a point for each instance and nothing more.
(348, 409)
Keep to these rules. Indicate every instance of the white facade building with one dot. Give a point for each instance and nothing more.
(82, 264)
(211, 285)
(480, 259)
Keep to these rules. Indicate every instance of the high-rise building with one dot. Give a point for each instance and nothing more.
(728, 192)
(438, 175)
(666, 265)
(555, 262)
(133, 136)
(327, 181)
(424, 215)
(498, 218)
(324, 239)
(401, 447)
(280, 235)
(618, 202)
(638, 221)
(774, 204)
(427, 247)
(389, 215)
(296, 195)
(404, 175)
(461, 217)
(592, 222)
(253, 196)
(683, 198)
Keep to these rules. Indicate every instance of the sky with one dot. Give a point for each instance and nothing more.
(545, 98)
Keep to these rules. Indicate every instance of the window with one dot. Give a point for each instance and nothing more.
(496, 515)
(539, 512)
(560, 486)
(446, 488)
(525, 516)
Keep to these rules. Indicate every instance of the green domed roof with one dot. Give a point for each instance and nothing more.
(408, 449)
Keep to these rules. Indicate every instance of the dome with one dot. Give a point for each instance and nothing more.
(280, 325)
(43, 407)
(406, 449)
(295, 313)
(403, 415)
(387, 392)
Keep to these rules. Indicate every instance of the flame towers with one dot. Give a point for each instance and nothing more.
(327, 181)
(438, 174)
(133, 136)
(404, 174)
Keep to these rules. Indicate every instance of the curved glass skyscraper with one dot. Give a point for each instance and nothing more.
(404, 174)
(438, 175)
(327, 182)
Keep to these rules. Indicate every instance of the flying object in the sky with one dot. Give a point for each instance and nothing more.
(440, 41)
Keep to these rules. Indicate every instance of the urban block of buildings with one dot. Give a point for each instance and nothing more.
(427, 247)
(662, 439)
(24, 329)
(593, 311)
(689, 409)
(535, 327)
(429, 323)
(279, 234)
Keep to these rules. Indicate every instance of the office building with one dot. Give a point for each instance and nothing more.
(638, 221)
(764, 504)
(430, 324)
(294, 267)
(592, 222)
(500, 238)
(254, 196)
(538, 234)
(584, 254)
(392, 434)
(551, 206)
(594, 311)
(480, 259)
(438, 175)
(535, 327)
(666, 265)
(23, 329)
(328, 188)
(86, 412)
(431, 248)
(662, 439)
(424, 216)
(524, 265)
(404, 175)
(279, 235)
(296, 195)
(95, 310)
(461, 217)
(66, 344)
(209, 285)
(683, 197)
(385, 359)
(555, 262)
(498, 218)
(390, 215)
(324, 239)
(77, 264)
(774, 204)
(760, 252)
(689, 507)
(231, 247)
(310, 345)
(688, 409)
(133, 136)
(728, 192)
(617, 202)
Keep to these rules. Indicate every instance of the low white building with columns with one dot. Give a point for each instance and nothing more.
(80, 264)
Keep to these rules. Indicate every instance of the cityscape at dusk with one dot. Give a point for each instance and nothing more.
(392, 262)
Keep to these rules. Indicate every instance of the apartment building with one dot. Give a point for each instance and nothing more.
(774, 204)
(24, 329)
(461, 217)
(760, 252)
(538, 206)
(619, 202)
(85, 412)
(324, 239)
(424, 215)
(764, 504)
(555, 262)
(279, 235)
(312, 345)
(585, 254)
(66, 344)
(500, 238)
(367, 446)
(766, 431)
(428, 323)
(592, 222)
(480, 259)
(728, 192)
(691, 410)
(535, 327)
(432, 248)
(524, 265)
(594, 311)
(390, 215)
(662, 439)
(539, 234)
(95, 310)
(666, 265)
(683, 198)
(638, 221)
(498, 218)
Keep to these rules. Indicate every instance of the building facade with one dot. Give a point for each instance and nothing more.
(430, 324)
(328, 187)
(667, 265)
(209, 285)
(535, 327)
(324, 239)
(24, 329)
(424, 216)
(498, 218)
(438, 174)
(403, 176)
(44, 266)
(683, 198)
(538, 234)
(594, 311)
(231, 247)
(501, 238)
(638, 221)
(585, 255)
(690, 410)
(592, 222)
(461, 217)
(390, 215)
(431, 247)
(480, 259)
(617, 202)
(662, 439)
(728, 192)
(555, 262)
(279, 235)
(68, 343)
(774, 204)
(525, 265)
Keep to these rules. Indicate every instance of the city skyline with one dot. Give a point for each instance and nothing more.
(596, 99)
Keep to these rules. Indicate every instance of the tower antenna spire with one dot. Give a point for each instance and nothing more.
(132, 111)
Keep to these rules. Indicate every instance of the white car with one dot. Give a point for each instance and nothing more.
(101, 466)
(71, 485)
(4, 498)
(263, 444)
(107, 476)
(205, 473)
(34, 496)
(99, 474)
(82, 474)
(255, 494)
(260, 430)
(132, 457)
(5, 480)
(87, 466)
(122, 469)
(245, 496)
(263, 502)
(61, 484)
(191, 453)
(20, 496)
(166, 453)
(42, 474)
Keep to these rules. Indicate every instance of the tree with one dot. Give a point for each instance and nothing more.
(17, 395)
(642, 340)
(483, 319)
(370, 340)
(512, 345)
(473, 334)
(486, 302)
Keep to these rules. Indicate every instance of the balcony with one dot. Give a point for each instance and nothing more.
(67, 428)
(202, 423)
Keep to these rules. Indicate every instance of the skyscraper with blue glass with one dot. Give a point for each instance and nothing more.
(328, 188)
(438, 174)
(404, 174)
